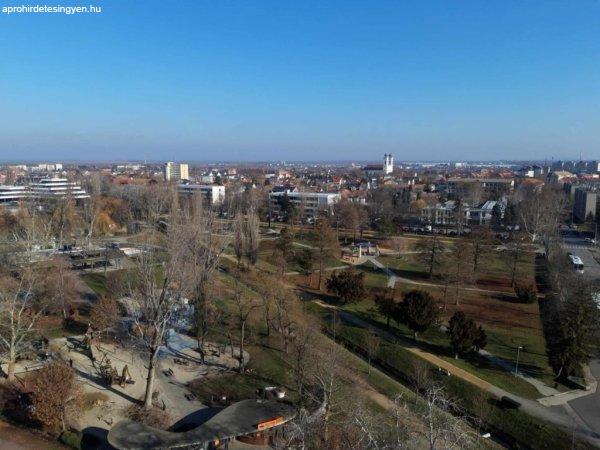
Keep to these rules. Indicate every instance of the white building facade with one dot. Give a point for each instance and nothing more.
(176, 172)
(214, 194)
(310, 204)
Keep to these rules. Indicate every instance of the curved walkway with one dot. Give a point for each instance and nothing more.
(531, 407)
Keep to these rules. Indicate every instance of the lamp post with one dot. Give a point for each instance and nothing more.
(517, 365)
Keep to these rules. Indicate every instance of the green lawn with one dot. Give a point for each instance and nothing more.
(518, 427)
(494, 267)
(437, 342)
(374, 277)
(268, 367)
(96, 282)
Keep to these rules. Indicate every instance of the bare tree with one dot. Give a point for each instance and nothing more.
(481, 240)
(159, 279)
(302, 349)
(60, 287)
(460, 271)
(20, 309)
(372, 344)
(92, 206)
(444, 427)
(201, 243)
(284, 320)
(399, 244)
(252, 238)
(34, 231)
(326, 245)
(245, 305)
(238, 237)
(513, 256)
(431, 253)
(539, 211)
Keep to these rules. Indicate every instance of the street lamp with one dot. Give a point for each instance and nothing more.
(519, 348)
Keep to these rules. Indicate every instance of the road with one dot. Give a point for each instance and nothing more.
(588, 407)
(578, 246)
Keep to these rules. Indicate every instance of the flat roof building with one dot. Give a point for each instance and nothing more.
(213, 193)
(309, 203)
(49, 188)
(585, 205)
(13, 194)
(176, 172)
(46, 188)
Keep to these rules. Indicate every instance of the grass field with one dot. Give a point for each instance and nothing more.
(517, 428)
(507, 324)
(494, 269)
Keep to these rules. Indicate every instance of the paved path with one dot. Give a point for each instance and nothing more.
(588, 407)
(509, 366)
(558, 417)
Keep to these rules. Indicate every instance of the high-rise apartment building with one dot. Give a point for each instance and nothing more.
(176, 172)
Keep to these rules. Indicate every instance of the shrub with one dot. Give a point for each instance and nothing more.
(152, 417)
(348, 284)
(54, 396)
(71, 439)
(526, 294)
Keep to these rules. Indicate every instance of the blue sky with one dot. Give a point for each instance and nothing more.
(302, 80)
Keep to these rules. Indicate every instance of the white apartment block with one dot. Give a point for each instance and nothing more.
(12, 194)
(214, 194)
(51, 167)
(176, 172)
(44, 189)
(49, 188)
(446, 213)
(310, 203)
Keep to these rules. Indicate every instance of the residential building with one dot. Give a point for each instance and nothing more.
(176, 172)
(447, 214)
(309, 203)
(52, 167)
(559, 175)
(531, 172)
(496, 187)
(585, 205)
(443, 214)
(482, 214)
(213, 193)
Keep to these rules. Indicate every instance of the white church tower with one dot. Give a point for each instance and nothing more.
(388, 164)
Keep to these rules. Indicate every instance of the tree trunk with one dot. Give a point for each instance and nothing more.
(10, 372)
(320, 272)
(150, 379)
(241, 357)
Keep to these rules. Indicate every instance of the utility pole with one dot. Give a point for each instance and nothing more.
(517, 365)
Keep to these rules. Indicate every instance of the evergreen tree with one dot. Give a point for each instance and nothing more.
(418, 311)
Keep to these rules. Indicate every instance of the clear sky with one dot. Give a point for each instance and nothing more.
(301, 80)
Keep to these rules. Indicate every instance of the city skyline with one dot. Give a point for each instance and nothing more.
(216, 81)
